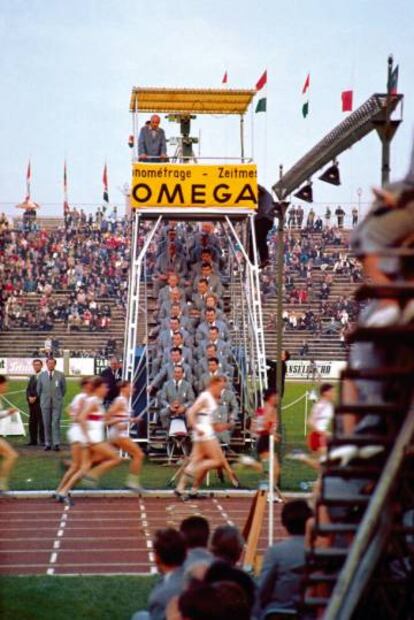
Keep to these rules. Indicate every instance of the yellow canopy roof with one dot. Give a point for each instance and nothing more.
(190, 100)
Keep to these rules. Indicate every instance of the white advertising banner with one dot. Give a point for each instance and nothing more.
(81, 366)
(78, 366)
(320, 369)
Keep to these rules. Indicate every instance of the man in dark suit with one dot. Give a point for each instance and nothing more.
(170, 553)
(111, 375)
(272, 372)
(284, 562)
(36, 430)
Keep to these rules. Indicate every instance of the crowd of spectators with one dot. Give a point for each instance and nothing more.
(311, 266)
(59, 275)
(84, 260)
(200, 577)
(296, 218)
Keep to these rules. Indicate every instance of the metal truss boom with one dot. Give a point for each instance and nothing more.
(372, 115)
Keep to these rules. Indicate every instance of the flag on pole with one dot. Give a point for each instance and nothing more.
(261, 105)
(65, 190)
(262, 81)
(347, 97)
(105, 184)
(393, 85)
(305, 89)
(28, 180)
(225, 78)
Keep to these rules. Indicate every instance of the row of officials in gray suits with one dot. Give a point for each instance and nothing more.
(192, 340)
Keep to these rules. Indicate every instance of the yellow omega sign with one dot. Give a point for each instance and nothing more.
(184, 185)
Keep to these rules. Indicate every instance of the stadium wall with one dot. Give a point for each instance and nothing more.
(299, 370)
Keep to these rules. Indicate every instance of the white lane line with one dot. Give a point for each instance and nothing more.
(147, 536)
(56, 543)
(223, 512)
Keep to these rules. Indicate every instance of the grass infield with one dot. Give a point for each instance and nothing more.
(73, 598)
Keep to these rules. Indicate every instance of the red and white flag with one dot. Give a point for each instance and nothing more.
(262, 81)
(306, 84)
(28, 180)
(65, 190)
(105, 184)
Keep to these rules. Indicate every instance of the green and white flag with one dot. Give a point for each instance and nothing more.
(261, 105)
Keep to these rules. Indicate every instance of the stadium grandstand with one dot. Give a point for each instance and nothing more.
(83, 290)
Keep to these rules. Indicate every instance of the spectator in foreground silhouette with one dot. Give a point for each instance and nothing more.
(170, 553)
(283, 564)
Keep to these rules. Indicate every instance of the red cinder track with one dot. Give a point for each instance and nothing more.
(103, 535)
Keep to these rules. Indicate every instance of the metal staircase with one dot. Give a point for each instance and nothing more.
(361, 561)
(243, 309)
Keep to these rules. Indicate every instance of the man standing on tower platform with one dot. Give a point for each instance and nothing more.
(152, 145)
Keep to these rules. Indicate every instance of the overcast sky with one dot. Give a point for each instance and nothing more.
(67, 68)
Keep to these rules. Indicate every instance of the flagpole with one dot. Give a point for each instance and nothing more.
(242, 137)
(385, 140)
(252, 131)
(28, 179)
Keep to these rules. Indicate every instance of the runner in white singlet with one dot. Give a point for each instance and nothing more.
(78, 443)
(206, 453)
(92, 418)
(118, 420)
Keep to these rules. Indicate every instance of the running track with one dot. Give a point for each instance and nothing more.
(100, 535)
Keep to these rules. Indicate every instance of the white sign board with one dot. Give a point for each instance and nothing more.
(325, 369)
(14, 366)
(12, 425)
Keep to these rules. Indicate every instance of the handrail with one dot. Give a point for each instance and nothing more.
(355, 573)
(189, 160)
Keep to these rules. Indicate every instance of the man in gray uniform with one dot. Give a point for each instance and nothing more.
(173, 282)
(152, 145)
(167, 371)
(227, 412)
(166, 335)
(51, 388)
(163, 357)
(213, 280)
(211, 353)
(214, 370)
(222, 347)
(210, 320)
(175, 397)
